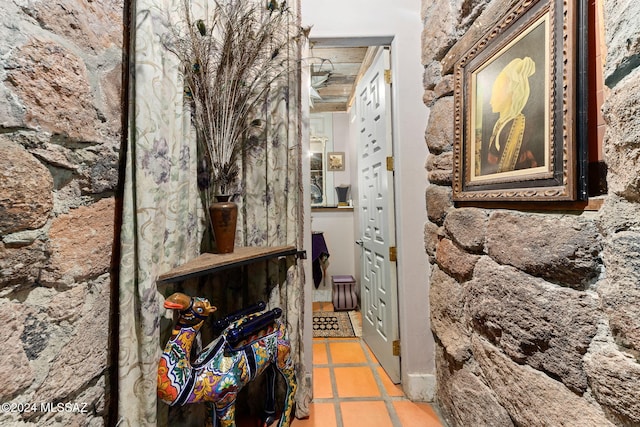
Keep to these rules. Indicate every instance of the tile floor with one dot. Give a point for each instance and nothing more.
(351, 389)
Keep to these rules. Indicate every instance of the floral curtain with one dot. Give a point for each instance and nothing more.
(163, 219)
(161, 210)
(272, 216)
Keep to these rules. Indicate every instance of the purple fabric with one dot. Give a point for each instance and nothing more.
(318, 246)
(319, 254)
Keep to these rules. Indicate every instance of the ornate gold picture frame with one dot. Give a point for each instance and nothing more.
(517, 116)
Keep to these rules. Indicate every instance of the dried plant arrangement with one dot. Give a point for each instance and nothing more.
(230, 60)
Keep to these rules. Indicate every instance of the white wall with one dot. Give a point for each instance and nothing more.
(337, 226)
(399, 19)
(338, 231)
(341, 143)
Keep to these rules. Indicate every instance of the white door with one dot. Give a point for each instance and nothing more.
(379, 290)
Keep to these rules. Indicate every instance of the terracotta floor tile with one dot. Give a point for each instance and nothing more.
(320, 353)
(322, 306)
(371, 355)
(346, 352)
(356, 382)
(361, 414)
(391, 388)
(416, 414)
(321, 415)
(322, 383)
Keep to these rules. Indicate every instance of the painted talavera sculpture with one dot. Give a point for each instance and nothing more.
(249, 346)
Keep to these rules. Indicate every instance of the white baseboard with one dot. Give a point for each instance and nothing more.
(420, 387)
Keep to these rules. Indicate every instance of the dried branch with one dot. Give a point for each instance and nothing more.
(229, 61)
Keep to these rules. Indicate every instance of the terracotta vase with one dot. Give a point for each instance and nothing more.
(224, 216)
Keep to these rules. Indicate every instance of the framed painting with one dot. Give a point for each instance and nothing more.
(335, 162)
(518, 121)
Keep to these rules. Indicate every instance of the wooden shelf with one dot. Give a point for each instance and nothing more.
(212, 263)
(331, 209)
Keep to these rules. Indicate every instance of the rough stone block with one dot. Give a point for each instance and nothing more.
(25, 190)
(621, 300)
(11, 112)
(465, 399)
(440, 177)
(53, 84)
(94, 397)
(67, 305)
(440, 168)
(477, 18)
(84, 358)
(531, 398)
(439, 202)
(560, 249)
(99, 168)
(432, 75)
(111, 89)
(622, 257)
(545, 326)
(54, 155)
(622, 138)
(618, 214)
(454, 261)
(448, 316)
(13, 360)
(615, 383)
(21, 266)
(428, 98)
(622, 38)
(81, 242)
(619, 221)
(431, 238)
(468, 227)
(439, 32)
(93, 25)
(444, 87)
(439, 133)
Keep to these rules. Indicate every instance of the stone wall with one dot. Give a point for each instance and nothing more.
(60, 129)
(536, 314)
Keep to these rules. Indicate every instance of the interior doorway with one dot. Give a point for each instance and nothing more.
(351, 77)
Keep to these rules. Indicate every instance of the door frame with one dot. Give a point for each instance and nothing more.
(418, 347)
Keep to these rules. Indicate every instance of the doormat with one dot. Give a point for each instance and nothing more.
(332, 324)
(356, 322)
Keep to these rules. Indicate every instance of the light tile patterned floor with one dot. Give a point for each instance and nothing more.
(351, 389)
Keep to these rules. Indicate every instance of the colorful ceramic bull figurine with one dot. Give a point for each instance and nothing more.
(249, 346)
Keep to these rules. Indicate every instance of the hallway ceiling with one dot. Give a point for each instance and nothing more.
(335, 71)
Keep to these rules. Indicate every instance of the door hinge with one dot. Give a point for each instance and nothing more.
(387, 76)
(393, 254)
(390, 164)
(396, 348)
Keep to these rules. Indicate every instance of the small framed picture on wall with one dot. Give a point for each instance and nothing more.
(335, 161)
